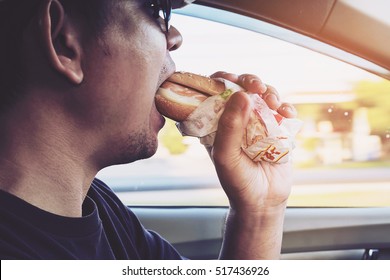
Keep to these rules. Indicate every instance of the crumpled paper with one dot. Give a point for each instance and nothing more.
(268, 136)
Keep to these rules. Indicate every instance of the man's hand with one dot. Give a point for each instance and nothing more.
(257, 191)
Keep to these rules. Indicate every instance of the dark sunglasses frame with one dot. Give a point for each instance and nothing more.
(165, 6)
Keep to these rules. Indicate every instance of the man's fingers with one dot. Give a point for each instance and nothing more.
(225, 75)
(287, 110)
(271, 97)
(252, 83)
(231, 127)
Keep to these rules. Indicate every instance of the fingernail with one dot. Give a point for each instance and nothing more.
(251, 81)
(263, 87)
(286, 108)
(270, 97)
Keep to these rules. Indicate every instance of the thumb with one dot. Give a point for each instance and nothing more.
(231, 129)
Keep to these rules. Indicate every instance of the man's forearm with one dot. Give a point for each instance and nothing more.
(254, 236)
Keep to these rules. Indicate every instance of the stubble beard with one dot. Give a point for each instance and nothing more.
(140, 146)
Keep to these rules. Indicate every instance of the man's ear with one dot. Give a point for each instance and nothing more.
(60, 39)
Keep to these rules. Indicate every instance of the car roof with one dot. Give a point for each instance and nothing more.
(359, 27)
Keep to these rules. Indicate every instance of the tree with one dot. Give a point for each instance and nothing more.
(375, 95)
(172, 139)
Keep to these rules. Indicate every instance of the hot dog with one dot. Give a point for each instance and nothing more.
(196, 102)
(183, 92)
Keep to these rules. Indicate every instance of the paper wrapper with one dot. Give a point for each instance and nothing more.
(268, 136)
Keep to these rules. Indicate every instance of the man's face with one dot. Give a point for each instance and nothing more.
(122, 74)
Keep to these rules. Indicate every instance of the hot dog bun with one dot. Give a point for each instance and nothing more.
(183, 92)
(200, 83)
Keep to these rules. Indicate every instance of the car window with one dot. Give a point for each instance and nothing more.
(342, 151)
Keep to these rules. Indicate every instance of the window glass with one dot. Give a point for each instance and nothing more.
(342, 152)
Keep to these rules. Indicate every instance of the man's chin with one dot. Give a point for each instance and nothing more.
(145, 150)
(137, 149)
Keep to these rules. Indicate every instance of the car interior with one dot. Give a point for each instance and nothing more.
(349, 160)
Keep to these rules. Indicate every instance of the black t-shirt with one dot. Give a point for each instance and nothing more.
(107, 230)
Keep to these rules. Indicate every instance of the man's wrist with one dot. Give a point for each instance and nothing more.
(254, 234)
(259, 211)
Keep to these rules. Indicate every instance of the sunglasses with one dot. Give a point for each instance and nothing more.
(165, 6)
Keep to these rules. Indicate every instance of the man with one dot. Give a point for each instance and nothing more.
(77, 95)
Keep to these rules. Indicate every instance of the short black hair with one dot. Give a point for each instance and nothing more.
(14, 19)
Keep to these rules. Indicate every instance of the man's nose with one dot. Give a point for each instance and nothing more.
(174, 39)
